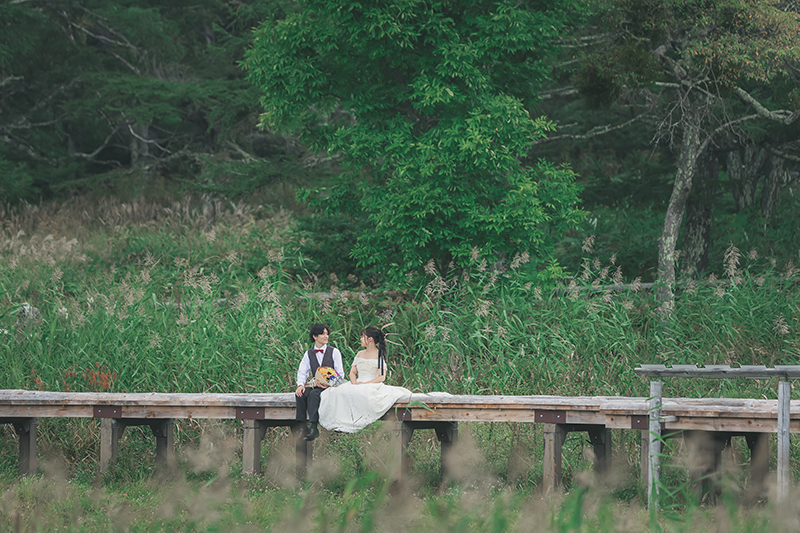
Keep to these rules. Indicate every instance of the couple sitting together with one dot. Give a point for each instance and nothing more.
(354, 404)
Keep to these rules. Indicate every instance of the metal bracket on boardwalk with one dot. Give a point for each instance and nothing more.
(784, 373)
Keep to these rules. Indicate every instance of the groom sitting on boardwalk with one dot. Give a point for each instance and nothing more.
(308, 397)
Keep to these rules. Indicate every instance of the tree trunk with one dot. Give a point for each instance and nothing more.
(698, 216)
(691, 148)
(744, 169)
(775, 178)
(209, 209)
(140, 150)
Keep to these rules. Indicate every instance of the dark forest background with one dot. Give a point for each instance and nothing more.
(671, 125)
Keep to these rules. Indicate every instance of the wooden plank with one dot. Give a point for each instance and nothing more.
(468, 415)
(148, 399)
(715, 372)
(47, 411)
(617, 421)
(743, 425)
(218, 412)
(584, 417)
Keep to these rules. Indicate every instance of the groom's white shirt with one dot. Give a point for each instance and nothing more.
(305, 364)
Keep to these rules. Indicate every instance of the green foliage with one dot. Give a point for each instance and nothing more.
(16, 182)
(428, 103)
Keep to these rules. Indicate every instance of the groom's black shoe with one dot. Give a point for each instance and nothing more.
(313, 431)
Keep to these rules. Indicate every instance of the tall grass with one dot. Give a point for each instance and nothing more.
(144, 297)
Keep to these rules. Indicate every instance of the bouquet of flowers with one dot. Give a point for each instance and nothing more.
(326, 376)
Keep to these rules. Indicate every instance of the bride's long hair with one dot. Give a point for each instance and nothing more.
(380, 341)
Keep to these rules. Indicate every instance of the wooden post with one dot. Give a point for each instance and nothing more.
(110, 432)
(554, 436)
(254, 432)
(758, 443)
(654, 463)
(304, 449)
(447, 433)
(401, 437)
(600, 437)
(644, 457)
(26, 428)
(165, 440)
(704, 450)
(395, 461)
(784, 468)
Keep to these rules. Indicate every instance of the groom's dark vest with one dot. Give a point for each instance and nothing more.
(327, 359)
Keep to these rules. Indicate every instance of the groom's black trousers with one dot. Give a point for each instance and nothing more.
(309, 402)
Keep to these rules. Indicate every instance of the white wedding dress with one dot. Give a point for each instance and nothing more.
(349, 408)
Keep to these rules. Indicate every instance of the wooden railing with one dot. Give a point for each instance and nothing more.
(720, 418)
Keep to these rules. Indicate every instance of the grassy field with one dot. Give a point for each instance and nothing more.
(139, 297)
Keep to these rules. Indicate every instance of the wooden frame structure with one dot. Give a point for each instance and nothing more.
(783, 373)
(595, 415)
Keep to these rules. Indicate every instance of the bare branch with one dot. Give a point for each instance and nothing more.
(27, 149)
(781, 116)
(9, 80)
(582, 42)
(559, 93)
(26, 126)
(724, 127)
(783, 155)
(99, 148)
(42, 102)
(102, 37)
(594, 132)
(127, 64)
(102, 22)
(147, 141)
(247, 157)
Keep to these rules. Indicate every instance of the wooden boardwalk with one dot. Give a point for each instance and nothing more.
(718, 418)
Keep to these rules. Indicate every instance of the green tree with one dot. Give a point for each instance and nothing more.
(427, 105)
(711, 75)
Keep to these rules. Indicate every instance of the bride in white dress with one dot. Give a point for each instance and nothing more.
(365, 398)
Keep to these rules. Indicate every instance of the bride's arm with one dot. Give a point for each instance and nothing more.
(353, 373)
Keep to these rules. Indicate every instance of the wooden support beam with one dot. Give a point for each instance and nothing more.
(784, 467)
(402, 434)
(758, 443)
(111, 430)
(254, 432)
(554, 437)
(704, 455)
(26, 429)
(600, 437)
(654, 449)
(27, 432)
(304, 449)
(447, 433)
(644, 457)
(403, 431)
(163, 430)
